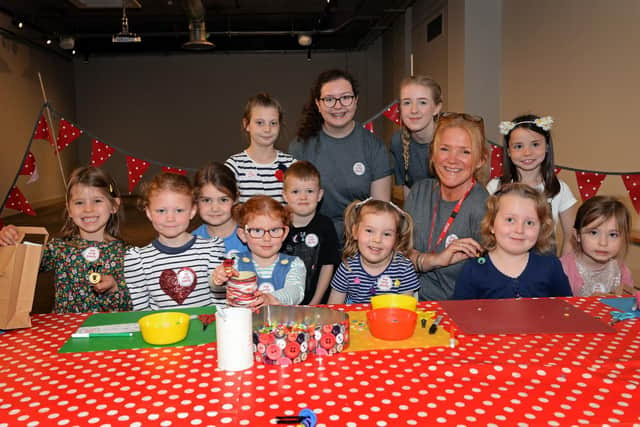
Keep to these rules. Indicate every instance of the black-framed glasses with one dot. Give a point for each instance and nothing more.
(345, 100)
(465, 116)
(258, 233)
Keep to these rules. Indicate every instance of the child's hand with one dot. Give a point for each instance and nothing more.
(9, 235)
(262, 299)
(107, 284)
(222, 274)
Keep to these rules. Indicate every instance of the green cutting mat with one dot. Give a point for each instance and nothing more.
(195, 335)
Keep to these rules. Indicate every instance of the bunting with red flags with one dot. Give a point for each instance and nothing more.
(29, 165)
(100, 152)
(17, 201)
(42, 130)
(369, 127)
(496, 161)
(177, 171)
(393, 113)
(589, 183)
(632, 184)
(136, 168)
(67, 133)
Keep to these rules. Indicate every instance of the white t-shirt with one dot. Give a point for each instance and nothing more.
(559, 203)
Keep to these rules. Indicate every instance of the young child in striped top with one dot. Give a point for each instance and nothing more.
(174, 269)
(377, 237)
(260, 168)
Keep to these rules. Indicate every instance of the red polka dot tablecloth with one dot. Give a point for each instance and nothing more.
(513, 380)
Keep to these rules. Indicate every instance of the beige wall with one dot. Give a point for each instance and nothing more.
(185, 110)
(20, 102)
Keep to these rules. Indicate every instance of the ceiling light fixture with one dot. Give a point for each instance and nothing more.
(67, 42)
(125, 36)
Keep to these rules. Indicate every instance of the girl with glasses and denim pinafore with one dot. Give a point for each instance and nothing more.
(263, 224)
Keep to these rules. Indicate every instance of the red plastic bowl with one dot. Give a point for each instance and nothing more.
(391, 323)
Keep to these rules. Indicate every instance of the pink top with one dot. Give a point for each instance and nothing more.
(577, 281)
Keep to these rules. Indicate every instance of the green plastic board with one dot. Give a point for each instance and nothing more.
(195, 336)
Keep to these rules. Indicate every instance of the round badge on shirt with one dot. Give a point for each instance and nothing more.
(186, 277)
(450, 239)
(384, 283)
(311, 240)
(359, 168)
(91, 254)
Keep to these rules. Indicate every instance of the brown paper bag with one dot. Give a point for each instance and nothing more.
(19, 265)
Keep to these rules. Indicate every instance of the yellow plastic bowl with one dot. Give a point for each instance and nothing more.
(406, 302)
(164, 328)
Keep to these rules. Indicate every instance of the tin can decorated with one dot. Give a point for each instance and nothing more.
(241, 289)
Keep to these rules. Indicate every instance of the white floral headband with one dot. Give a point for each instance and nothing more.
(544, 123)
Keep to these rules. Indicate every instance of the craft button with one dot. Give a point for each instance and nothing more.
(94, 277)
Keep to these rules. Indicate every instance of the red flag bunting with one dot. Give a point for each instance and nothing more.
(632, 183)
(369, 127)
(496, 161)
(556, 170)
(589, 183)
(67, 134)
(42, 130)
(100, 153)
(136, 168)
(29, 165)
(177, 171)
(18, 202)
(393, 113)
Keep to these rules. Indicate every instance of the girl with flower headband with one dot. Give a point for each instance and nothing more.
(260, 168)
(377, 237)
(528, 158)
(88, 260)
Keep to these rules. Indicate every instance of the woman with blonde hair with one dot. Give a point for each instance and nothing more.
(447, 210)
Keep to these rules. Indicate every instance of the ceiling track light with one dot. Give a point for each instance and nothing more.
(125, 36)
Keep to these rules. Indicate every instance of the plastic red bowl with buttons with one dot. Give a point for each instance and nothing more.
(392, 323)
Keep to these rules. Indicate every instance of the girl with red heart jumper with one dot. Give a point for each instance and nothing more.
(174, 269)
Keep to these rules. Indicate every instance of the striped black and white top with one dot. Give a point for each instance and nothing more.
(159, 276)
(259, 178)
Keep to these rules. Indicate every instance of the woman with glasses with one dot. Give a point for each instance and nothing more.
(420, 104)
(447, 210)
(263, 224)
(353, 163)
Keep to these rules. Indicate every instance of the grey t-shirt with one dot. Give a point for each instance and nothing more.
(418, 161)
(438, 284)
(347, 168)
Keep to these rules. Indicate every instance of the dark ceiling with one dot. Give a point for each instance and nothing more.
(231, 25)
